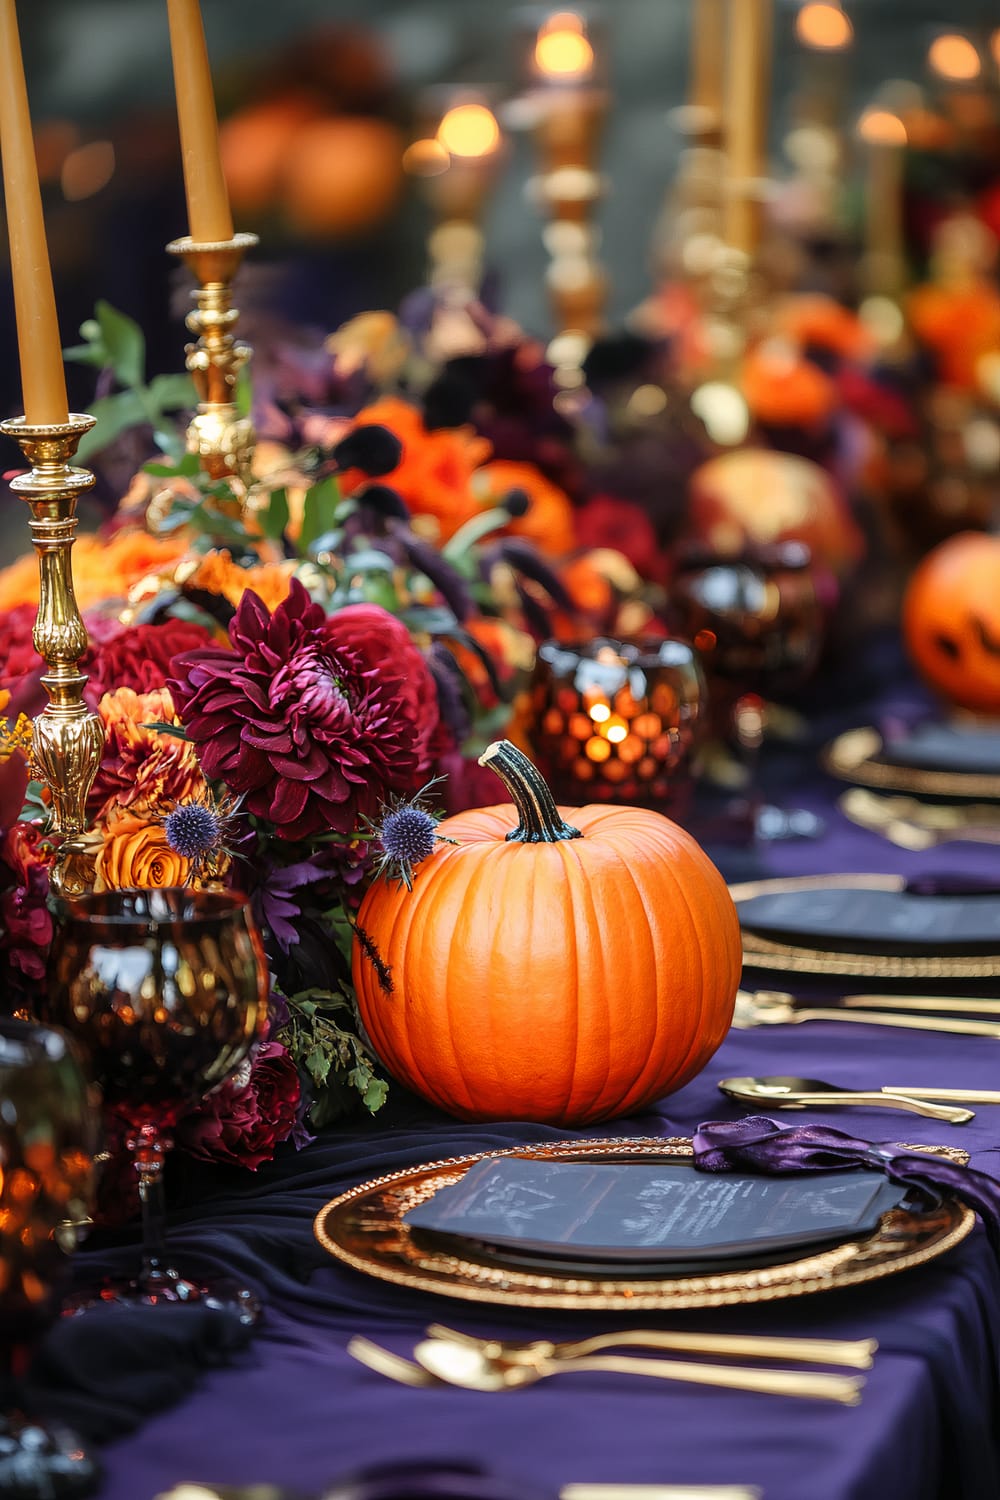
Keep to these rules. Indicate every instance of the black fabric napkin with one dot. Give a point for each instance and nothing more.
(833, 919)
(945, 747)
(106, 1370)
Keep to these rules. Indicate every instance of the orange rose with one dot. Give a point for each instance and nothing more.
(960, 324)
(811, 318)
(102, 568)
(548, 521)
(135, 854)
(434, 475)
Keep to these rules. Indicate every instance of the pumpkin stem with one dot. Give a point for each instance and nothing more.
(540, 821)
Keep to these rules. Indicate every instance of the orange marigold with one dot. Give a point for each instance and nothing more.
(142, 765)
(218, 574)
(102, 568)
(783, 389)
(434, 475)
(134, 853)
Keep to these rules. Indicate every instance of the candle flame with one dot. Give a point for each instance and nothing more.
(879, 127)
(954, 58)
(562, 49)
(469, 130)
(824, 26)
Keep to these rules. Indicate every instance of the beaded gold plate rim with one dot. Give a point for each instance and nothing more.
(853, 756)
(765, 953)
(364, 1229)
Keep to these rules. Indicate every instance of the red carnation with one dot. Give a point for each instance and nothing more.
(315, 721)
(247, 1118)
(139, 657)
(25, 921)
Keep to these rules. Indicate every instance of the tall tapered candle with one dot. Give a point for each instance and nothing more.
(707, 30)
(209, 217)
(43, 379)
(748, 82)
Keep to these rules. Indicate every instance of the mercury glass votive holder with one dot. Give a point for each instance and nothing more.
(617, 720)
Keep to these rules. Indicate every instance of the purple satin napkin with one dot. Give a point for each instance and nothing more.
(757, 1144)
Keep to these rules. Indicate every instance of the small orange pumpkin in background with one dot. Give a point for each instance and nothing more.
(560, 971)
(951, 620)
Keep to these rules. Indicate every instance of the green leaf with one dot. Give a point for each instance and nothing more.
(172, 729)
(172, 392)
(244, 392)
(368, 560)
(86, 354)
(477, 527)
(319, 513)
(125, 343)
(275, 518)
(115, 414)
(186, 467)
(317, 1063)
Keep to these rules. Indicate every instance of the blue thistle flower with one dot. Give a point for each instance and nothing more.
(407, 834)
(193, 830)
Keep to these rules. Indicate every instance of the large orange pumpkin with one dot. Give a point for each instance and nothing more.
(560, 971)
(951, 620)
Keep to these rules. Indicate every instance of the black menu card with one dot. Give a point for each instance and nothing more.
(649, 1212)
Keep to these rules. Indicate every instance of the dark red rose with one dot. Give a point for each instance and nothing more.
(606, 521)
(25, 921)
(315, 721)
(246, 1119)
(139, 657)
(21, 666)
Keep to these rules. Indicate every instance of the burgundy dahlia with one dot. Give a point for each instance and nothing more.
(315, 721)
(139, 656)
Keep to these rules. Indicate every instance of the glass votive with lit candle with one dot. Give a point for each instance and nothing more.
(617, 720)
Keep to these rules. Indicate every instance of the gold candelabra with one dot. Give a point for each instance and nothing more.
(223, 440)
(68, 739)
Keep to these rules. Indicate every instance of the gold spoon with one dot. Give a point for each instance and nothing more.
(751, 1012)
(854, 1353)
(387, 1363)
(463, 1365)
(799, 1093)
(969, 1005)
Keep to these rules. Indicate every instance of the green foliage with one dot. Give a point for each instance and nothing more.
(321, 1036)
(115, 342)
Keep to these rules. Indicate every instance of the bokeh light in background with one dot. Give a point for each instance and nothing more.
(823, 26)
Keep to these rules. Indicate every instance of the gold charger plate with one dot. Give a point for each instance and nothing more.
(364, 1228)
(766, 953)
(854, 757)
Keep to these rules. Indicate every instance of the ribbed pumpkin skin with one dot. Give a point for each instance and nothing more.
(951, 620)
(562, 982)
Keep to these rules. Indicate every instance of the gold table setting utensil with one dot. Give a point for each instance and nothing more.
(450, 1362)
(856, 1354)
(763, 1009)
(855, 756)
(660, 1492)
(910, 824)
(958, 1005)
(799, 1093)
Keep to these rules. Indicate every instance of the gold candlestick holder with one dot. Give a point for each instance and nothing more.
(223, 440)
(68, 739)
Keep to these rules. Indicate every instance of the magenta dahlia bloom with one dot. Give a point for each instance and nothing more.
(314, 721)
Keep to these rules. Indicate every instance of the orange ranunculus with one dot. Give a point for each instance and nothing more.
(142, 765)
(960, 323)
(102, 568)
(434, 475)
(511, 651)
(811, 318)
(784, 390)
(548, 521)
(218, 574)
(135, 854)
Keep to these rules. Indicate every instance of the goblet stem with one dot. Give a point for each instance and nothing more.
(149, 1148)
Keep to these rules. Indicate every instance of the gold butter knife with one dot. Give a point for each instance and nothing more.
(751, 1012)
(974, 1005)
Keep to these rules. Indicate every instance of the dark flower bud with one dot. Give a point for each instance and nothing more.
(448, 401)
(375, 450)
(517, 502)
(384, 500)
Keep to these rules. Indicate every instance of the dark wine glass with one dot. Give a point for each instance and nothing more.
(48, 1131)
(166, 991)
(758, 621)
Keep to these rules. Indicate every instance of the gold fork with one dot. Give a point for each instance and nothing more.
(857, 1354)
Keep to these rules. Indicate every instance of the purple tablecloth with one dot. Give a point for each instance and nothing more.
(295, 1409)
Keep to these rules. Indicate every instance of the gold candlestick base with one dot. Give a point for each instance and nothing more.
(223, 440)
(68, 739)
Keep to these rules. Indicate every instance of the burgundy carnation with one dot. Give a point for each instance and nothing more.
(25, 921)
(139, 657)
(245, 1120)
(314, 720)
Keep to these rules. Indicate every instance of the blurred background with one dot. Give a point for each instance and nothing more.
(319, 102)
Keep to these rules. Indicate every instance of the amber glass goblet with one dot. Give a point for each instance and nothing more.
(48, 1131)
(166, 992)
